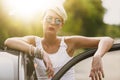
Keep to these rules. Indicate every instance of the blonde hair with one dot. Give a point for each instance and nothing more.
(59, 9)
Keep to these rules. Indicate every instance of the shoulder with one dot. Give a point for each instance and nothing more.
(78, 38)
(30, 37)
(74, 38)
(77, 41)
(69, 40)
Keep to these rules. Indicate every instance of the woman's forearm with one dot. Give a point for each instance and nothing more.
(18, 44)
(104, 45)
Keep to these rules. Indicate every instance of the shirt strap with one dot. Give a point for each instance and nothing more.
(38, 42)
(63, 44)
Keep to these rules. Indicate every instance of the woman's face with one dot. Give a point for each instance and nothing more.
(52, 22)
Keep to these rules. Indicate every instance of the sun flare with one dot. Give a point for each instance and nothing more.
(26, 9)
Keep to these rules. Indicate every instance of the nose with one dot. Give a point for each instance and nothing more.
(53, 22)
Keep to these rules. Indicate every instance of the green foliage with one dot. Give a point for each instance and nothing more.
(113, 31)
(85, 17)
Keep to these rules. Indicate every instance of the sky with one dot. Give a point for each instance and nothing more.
(112, 15)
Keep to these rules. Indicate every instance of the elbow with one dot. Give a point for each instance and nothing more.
(8, 42)
(109, 40)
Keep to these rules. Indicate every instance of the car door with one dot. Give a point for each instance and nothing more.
(82, 70)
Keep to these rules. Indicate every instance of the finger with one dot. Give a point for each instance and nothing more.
(102, 72)
(96, 76)
(50, 71)
(99, 75)
(47, 68)
(92, 75)
(92, 78)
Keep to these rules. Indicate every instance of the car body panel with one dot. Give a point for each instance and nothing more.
(8, 66)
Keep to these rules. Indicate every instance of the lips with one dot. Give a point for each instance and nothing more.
(51, 28)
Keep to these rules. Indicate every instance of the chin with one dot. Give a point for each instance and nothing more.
(51, 32)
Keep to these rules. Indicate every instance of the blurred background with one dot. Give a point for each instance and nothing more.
(85, 17)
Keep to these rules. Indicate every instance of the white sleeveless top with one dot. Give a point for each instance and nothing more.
(58, 59)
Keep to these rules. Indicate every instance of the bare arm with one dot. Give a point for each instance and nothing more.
(24, 44)
(102, 43)
(20, 43)
(97, 71)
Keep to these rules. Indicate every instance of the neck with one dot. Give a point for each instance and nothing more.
(50, 39)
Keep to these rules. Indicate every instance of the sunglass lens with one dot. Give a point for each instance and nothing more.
(49, 20)
(57, 21)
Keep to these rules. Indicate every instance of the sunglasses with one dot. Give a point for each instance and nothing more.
(57, 21)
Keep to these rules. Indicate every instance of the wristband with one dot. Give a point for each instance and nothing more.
(38, 53)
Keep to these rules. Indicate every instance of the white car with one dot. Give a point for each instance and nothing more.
(15, 65)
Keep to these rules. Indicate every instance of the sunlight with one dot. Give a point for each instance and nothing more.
(112, 15)
(26, 9)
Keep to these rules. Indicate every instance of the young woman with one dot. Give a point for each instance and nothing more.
(55, 50)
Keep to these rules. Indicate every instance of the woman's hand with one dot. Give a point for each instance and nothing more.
(97, 69)
(48, 64)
